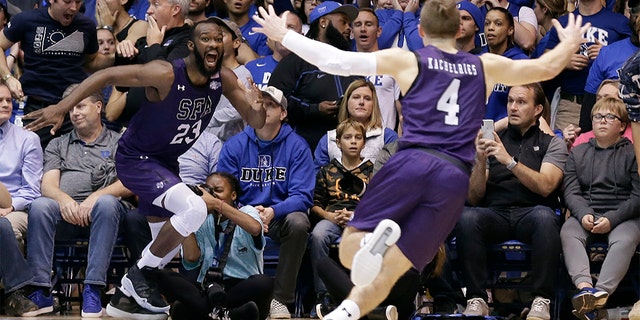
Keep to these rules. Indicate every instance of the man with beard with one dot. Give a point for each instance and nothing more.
(313, 95)
(197, 10)
(181, 96)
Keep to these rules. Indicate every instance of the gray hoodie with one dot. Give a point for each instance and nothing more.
(603, 182)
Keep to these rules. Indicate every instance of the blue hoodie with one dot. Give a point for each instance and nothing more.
(277, 173)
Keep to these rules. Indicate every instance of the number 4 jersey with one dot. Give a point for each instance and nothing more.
(168, 128)
(444, 107)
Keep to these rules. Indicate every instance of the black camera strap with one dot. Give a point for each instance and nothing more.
(228, 238)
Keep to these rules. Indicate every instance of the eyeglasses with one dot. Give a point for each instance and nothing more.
(609, 117)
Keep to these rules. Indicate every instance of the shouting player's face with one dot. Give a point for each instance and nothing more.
(208, 48)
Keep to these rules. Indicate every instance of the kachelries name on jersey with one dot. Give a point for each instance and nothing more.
(455, 68)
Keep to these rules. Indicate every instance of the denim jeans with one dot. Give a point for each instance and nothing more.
(537, 226)
(46, 225)
(322, 236)
(14, 270)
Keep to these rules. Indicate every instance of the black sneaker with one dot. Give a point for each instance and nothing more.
(143, 289)
(123, 306)
(17, 304)
(324, 303)
(247, 311)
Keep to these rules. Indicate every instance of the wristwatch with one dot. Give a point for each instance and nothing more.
(512, 164)
(7, 76)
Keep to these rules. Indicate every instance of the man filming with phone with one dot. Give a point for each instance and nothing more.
(513, 194)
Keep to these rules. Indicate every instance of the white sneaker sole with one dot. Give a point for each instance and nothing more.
(367, 262)
(92, 315)
(117, 313)
(129, 289)
(38, 312)
(319, 311)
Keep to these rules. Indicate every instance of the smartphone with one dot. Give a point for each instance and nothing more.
(487, 129)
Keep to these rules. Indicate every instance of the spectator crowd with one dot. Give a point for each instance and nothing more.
(558, 172)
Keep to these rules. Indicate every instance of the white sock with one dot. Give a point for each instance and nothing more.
(347, 310)
(155, 228)
(166, 259)
(148, 259)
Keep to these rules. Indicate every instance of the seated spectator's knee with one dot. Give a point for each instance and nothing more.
(469, 220)
(107, 206)
(298, 222)
(5, 226)
(545, 217)
(43, 207)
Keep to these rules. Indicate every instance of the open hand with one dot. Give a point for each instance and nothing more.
(155, 33)
(52, 115)
(104, 16)
(271, 25)
(573, 31)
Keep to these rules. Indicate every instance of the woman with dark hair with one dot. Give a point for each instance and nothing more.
(230, 280)
(499, 29)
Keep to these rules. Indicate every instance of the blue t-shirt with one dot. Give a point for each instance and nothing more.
(607, 27)
(261, 70)
(497, 104)
(608, 63)
(139, 9)
(541, 47)
(54, 54)
(257, 41)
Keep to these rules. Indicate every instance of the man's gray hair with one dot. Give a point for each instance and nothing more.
(183, 4)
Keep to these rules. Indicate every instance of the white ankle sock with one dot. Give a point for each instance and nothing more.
(149, 259)
(347, 310)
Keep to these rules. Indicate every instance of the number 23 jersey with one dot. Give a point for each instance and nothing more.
(168, 128)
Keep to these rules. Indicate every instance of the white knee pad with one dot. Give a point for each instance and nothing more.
(189, 209)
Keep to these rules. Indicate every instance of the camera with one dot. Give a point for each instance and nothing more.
(212, 277)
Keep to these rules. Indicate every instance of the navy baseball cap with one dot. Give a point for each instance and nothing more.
(474, 11)
(328, 7)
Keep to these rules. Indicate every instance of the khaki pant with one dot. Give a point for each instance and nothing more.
(568, 113)
(19, 221)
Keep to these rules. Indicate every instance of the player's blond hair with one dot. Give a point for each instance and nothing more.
(440, 18)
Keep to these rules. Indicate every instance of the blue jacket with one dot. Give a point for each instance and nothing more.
(277, 173)
(402, 24)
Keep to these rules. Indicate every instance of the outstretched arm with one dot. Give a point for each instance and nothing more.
(499, 69)
(248, 101)
(157, 75)
(395, 62)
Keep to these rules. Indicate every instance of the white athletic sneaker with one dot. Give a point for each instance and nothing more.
(367, 262)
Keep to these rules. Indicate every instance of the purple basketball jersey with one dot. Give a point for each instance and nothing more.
(444, 107)
(168, 128)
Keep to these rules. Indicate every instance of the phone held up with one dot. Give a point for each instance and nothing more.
(487, 129)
